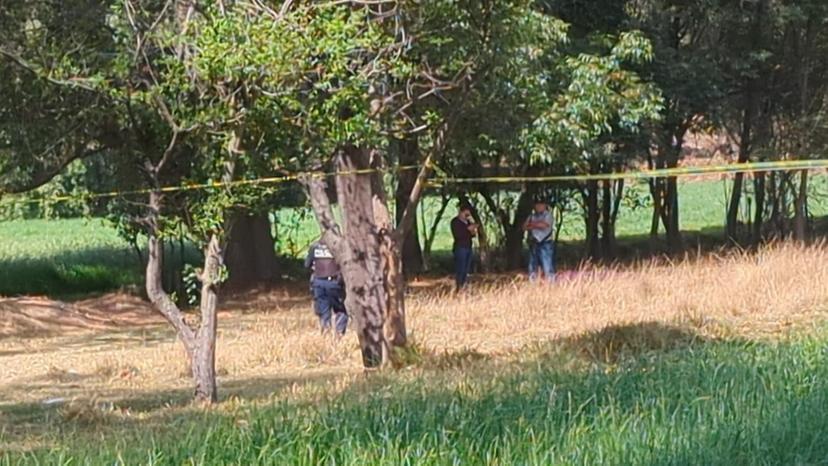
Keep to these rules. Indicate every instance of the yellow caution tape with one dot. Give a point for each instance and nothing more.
(755, 167)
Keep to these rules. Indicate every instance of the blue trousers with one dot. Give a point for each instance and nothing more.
(542, 255)
(462, 265)
(329, 301)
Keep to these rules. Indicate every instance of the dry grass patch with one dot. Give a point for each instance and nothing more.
(271, 345)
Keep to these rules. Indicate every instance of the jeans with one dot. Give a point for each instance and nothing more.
(328, 301)
(462, 265)
(542, 255)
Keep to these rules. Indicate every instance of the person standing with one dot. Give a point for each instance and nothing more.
(541, 226)
(327, 287)
(463, 230)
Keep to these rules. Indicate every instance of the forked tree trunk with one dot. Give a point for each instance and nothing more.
(745, 148)
(199, 343)
(367, 251)
(513, 233)
(357, 248)
(483, 249)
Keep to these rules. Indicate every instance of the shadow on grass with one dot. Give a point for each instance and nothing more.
(70, 274)
(638, 394)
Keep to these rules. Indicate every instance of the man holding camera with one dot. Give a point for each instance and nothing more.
(541, 227)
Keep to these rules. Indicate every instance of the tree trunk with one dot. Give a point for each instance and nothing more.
(759, 213)
(613, 191)
(745, 148)
(801, 209)
(412, 254)
(591, 217)
(251, 250)
(514, 231)
(482, 239)
(357, 249)
(607, 229)
(432, 231)
(204, 356)
(392, 253)
(672, 227)
(199, 345)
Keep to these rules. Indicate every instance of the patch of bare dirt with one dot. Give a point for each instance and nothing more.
(38, 316)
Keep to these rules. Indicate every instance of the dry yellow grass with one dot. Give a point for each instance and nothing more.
(269, 342)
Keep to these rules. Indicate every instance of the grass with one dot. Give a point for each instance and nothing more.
(72, 258)
(63, 257)
(714, 361)
(707, 403)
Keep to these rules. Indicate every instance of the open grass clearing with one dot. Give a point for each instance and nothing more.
(625, 350)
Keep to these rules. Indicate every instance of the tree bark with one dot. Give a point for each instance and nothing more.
(759, 212)
(392, 254)
(745, 148)
(801, 209)
(591, 219)
(357, 248)
(612, 193)
(199, 344)
(482, 239)
(251, 250)
(204, 357)
(514, 233)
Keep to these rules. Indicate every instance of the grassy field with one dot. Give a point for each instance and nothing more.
(63, 257)
(71, 258)
(716, 360)
(725, 366)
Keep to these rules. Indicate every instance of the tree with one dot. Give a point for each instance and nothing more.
(685, 48)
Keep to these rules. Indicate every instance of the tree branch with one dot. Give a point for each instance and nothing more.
(77, 83)
(317, 192)
(407, 218)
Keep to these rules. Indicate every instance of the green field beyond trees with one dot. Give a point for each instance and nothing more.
(694, 402)
(75, 257)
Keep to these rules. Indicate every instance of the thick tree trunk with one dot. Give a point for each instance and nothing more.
(357, 249)
(412, 254)
(392, 253)
(607, 228)
(363, 267)
(612, 193)
(251, 251)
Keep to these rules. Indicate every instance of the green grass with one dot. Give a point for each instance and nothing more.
(63, 257)
(696, 402)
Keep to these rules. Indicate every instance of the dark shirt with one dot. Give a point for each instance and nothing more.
(461, 233)
(322, 262)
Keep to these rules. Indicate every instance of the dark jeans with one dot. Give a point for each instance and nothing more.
(542, 255)
(328, 301)
(462, 265)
